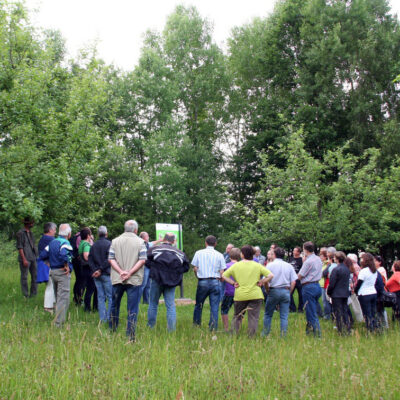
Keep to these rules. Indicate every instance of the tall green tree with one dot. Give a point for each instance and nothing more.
(327, 66)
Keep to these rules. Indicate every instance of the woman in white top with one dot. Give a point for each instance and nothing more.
(366, 291)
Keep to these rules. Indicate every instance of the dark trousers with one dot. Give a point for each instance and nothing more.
(89, 288)
(341, 315)
(253, 308)
(368, 307)
(31, 269)
(292, 306)
(78, 289)
(133, 294)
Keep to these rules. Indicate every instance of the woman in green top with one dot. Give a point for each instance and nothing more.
(248, 280)
(88, 288)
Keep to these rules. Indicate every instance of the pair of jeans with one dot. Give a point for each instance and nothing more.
(133, 294)
(300, 294)
(156, 290)
(144, 288)
(104, 292)
(311, 295)
(61, 284)
(253, 308)
(32, 269)
(281, 297)
(341, 314)
(368, 307)
(327, 306)
(222, 288)
(207, 288)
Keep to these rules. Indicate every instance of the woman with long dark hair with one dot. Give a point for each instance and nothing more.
(366, 290)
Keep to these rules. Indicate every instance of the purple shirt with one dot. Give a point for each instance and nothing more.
(229, 289)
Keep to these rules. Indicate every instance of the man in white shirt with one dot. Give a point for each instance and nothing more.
(209, 264)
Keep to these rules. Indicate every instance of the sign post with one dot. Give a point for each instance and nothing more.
(176, 229)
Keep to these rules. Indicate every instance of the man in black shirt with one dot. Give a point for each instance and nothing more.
(100, 270)
(297, 263)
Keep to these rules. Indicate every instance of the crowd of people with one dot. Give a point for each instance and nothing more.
(242, 278)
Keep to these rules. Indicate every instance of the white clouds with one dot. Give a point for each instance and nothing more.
(119, 25)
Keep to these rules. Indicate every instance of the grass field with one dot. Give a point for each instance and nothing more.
(84, 360)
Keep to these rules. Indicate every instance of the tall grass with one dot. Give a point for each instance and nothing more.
(84, 360)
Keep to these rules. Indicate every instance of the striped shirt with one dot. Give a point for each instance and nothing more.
(209, 262)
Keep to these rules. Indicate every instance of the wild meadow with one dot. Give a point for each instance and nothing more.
(84, 360)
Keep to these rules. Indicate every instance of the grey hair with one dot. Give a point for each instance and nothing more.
(131, 226)
(257, 248)
(64, 230)
(102, 231)
(49, 226)
(331, 250)
(353, 257)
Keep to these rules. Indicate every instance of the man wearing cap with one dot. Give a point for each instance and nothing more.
(27, 255)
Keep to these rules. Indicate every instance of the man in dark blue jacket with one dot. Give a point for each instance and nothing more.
(167, 265)
(59, 253)
(100, 269)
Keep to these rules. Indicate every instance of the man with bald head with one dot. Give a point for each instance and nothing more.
(167, 265)
(127, 256)
(145, 289)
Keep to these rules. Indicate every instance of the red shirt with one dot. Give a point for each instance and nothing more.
(393, 284)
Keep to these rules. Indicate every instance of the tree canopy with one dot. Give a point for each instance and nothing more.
(291, 135)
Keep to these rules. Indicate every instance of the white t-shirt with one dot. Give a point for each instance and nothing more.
(369, 279)
(382, 271)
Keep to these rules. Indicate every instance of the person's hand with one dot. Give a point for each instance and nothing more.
(96, 274)
(66, 269)
(25, 263)
(236, 285)
(195, 269)
(124, 275)
(260, 283)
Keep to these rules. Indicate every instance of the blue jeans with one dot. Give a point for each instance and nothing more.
(207, 288)
(133, 294)
(144, 288)
(277, 296)
(368, 307)
(104, 292)
(327, 305)
(311, 295)
(169, 297)
(222, 289)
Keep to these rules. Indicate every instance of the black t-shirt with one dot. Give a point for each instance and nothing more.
(297, 263)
